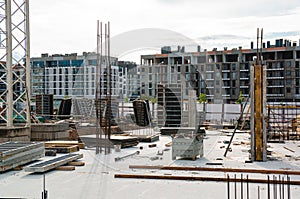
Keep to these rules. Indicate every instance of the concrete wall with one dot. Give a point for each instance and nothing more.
(14, 134)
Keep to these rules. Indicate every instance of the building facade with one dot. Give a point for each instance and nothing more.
(71, 75)
(223, 74)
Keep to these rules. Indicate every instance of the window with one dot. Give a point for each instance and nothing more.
(288, 90)
(77, 62)
(233, 84)
(234, 75)
(210, 76)
(150, 69)
(64, 63)
(39, 63)
(186, 69)
(202, 68)
(288, 72)
(178, 68)
(233, 91)
(233, 66)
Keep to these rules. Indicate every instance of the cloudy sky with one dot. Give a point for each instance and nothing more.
(70, 25)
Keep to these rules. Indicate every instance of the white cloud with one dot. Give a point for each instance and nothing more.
(70, 25)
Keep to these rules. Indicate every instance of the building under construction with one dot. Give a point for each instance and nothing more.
(143, 162)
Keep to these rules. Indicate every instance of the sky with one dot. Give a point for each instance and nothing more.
(142, 27)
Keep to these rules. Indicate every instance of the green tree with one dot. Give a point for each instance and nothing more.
(126, 100)
(202, 98)
(240, 99)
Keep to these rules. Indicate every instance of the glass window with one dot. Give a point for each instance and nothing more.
(38, 63)
(233, 66)
(77, 62)
(64, 63)
(234, 75)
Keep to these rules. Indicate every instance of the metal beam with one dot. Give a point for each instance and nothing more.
(203, 178)
(227, 170)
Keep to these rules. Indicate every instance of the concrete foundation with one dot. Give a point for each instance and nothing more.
(14, 134)
(49, 131)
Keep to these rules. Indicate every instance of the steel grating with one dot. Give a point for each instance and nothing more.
(14, 154)
(52, 163)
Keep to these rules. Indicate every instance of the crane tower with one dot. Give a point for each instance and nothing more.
(14, 62)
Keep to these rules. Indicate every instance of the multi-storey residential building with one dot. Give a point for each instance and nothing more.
(129, 79)
(71, 75)
(223, 74)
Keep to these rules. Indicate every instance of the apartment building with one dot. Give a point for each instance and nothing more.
(129, 77)
(223, 74)
(71, 75)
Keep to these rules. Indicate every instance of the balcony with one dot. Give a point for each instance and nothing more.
(275, 95)
(276, 86)
(274, 69)
(275, 77)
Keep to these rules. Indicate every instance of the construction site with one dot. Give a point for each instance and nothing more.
(177, 146)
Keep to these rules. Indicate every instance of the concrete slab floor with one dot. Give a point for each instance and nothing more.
(96, 178)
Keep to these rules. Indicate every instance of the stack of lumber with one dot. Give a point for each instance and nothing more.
(58, 143)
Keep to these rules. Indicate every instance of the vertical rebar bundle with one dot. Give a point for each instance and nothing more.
(103, 89)
(281, 188)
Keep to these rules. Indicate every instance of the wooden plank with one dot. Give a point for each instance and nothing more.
(65, 168)
(233, 170)
(206, 178)
(64, 143)
(76, 163)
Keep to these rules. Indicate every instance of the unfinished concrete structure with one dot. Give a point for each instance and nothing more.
(223, 74)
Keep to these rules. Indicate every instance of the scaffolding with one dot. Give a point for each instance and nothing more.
(283, 121)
